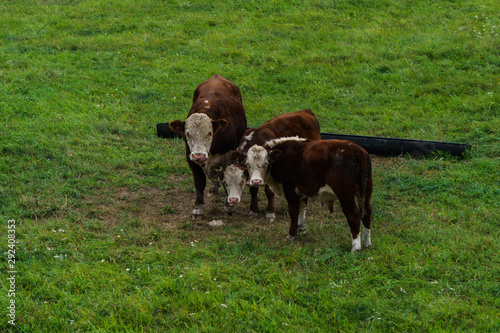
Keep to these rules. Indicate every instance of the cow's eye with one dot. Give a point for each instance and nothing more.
(266, 164)
(209, 134)
(188, 135)
(242, 182)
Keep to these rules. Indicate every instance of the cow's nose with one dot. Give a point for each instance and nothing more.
(200, 158)
(256, 182)
(233, 201)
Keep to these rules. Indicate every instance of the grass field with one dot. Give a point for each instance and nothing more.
(102, 206)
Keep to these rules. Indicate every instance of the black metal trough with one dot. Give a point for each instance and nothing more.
(372, 144)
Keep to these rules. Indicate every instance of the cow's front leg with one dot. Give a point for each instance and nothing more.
(200, 181)
(214, 187)
(270, 215)
(254, 204)
(215, 180)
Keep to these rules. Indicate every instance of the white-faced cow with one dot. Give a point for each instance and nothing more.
(213, 128)
(323, 170)
(300, 123)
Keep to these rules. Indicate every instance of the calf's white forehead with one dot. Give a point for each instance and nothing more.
(198, 124)
(233, 175)
(256, 156)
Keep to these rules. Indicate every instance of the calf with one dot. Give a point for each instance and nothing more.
(301, 123)
(213, 128)
(323, 170)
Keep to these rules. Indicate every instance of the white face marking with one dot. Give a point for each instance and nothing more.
(206, 101)
(257, 164)
(234, 180)
(199, 136)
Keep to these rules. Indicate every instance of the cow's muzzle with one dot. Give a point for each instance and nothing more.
(256, 182)
(199, 158)
(233, 201)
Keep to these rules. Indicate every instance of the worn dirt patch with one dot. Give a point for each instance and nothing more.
(169, 209)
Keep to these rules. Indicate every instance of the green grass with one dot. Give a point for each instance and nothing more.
(102, 206)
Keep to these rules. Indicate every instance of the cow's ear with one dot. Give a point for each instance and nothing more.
(238, 156)
(219, 123)
(216, 175)
(177, 126)
(275, 155)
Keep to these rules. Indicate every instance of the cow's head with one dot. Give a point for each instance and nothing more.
(198, 130)
(258, 165)
(234, 181)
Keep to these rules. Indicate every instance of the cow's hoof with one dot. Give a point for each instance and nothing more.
(252, 214)
(270, 217)
(197, 212)
(196, 217)
(290, 238)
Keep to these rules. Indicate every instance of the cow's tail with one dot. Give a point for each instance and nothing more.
(365, 191)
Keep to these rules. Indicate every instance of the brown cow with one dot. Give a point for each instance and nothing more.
(324, 170)
(300, 123)
(213, 128)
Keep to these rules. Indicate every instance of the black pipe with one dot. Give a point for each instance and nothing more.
(392, 146)
(164, 131)
(372, 144)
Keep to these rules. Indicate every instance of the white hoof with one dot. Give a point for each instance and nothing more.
(367, 242)
(290, 238)
(271, 217)
(197, 212)
(356, 244)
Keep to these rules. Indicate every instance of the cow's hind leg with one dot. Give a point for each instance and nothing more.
(353, 216)
(367, 218)
(293, 211)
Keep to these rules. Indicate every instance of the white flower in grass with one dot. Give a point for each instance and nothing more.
(224, 305)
